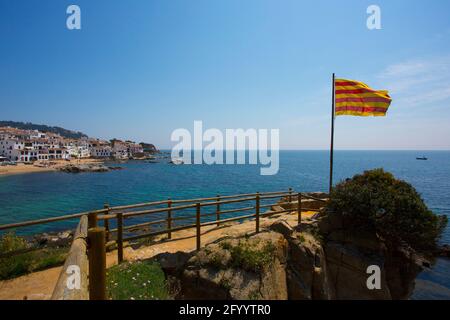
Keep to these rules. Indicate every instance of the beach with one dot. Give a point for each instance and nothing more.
(53, 165)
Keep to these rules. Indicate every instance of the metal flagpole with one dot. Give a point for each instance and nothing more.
(332, 135)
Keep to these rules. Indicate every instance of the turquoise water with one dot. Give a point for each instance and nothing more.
(41, 195)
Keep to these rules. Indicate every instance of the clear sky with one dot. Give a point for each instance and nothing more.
(140, 69)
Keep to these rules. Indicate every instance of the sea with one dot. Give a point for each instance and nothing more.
(49, 194)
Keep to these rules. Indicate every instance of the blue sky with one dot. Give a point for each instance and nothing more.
(140, 69)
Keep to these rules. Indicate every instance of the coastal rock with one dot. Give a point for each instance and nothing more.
(318, 260)
(59, 239)
(349, 253)
(307, 268)
(444, 251)
(238, 268)
(77, 168)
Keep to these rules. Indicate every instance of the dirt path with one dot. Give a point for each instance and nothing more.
(39, 285)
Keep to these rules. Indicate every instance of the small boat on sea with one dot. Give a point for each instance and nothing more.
(177, 161)
(421, 158)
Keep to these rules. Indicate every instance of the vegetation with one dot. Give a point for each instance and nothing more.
(393, 208)
(43, 128)
(141, 280)
(249, 255)
(20, 264)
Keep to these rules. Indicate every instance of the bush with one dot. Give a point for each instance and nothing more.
(20, 264)
(392, 208)
(251, 258)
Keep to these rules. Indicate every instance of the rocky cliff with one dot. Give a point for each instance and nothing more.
(318, 260)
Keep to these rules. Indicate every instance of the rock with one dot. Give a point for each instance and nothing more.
(444, 251)
(60, 239)
(350, 251)
(307, 268)
(318, 195)
(173, 263)
(282, 227)
(77, 168)
(64, 235)
(115, 168)
(238, 268)
(318, 260)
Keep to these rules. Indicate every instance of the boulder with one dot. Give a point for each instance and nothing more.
(173, 263)
(238, 268)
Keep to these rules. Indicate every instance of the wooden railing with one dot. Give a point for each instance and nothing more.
(73, 280)
(175, 215)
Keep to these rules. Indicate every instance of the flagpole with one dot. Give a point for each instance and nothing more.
(332, 135)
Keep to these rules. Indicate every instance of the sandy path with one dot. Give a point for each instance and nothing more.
(35, 286)
(39, 285)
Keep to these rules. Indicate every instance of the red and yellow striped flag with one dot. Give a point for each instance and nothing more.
(355, 98)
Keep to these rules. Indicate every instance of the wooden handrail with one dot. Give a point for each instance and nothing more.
(76, 264)
(46, 220)
(112, 213)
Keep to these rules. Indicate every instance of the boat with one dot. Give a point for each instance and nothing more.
(177, 161)
(421, 158)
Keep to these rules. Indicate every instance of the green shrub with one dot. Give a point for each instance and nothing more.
(251, 258)
(10, 242)
(20, 264)
(141, 280)
(376, 200)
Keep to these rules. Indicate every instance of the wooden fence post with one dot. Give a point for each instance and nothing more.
(218, 211)
(257, 212)
(290, 195)
(106, 222)
(169, 219)
(119, 237)
(97, 263)
(299, 208)
(92, 220)
(198, 226)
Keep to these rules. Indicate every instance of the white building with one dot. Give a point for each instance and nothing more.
(100, 151)
(10, 148)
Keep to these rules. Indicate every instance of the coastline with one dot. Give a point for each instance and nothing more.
(54, 165)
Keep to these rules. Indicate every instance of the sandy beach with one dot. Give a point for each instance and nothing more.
(52, 165)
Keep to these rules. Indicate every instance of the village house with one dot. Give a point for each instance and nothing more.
(32, 145)
(99, 149)
(120, 150)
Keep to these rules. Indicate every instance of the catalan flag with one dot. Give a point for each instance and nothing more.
(355, 98)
